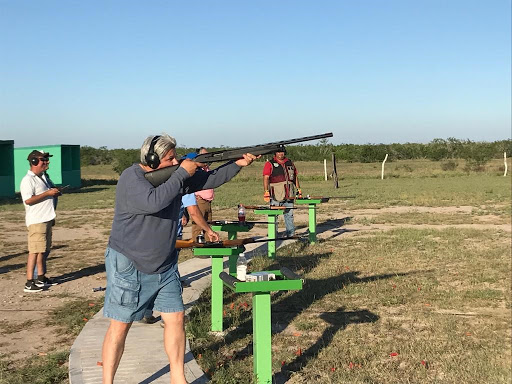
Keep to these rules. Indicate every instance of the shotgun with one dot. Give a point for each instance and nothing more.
(161, 175)
(180, 244)
(225, 222)
(274, 207)
(308, 197)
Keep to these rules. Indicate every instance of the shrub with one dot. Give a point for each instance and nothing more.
(449, 165)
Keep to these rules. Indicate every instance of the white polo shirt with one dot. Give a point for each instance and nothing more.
(43, 211)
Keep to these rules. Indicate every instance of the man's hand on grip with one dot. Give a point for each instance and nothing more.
(266, 196)
(191, 166)
(247, 159)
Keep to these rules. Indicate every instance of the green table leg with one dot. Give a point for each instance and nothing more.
(261, 323)
(272, 228)
(232, 258)
(217, 294)
(272, 221)
(312, 223)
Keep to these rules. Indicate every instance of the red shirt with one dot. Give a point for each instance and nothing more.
(267, 169)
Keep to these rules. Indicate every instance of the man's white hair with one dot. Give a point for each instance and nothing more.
(163, 145)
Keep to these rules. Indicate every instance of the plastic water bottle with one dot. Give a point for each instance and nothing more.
(241, 214)
(241, 267)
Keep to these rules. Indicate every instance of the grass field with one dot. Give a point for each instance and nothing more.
(404, 306)
(413, 285)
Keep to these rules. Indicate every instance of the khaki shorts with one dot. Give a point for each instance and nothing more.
(40, 237)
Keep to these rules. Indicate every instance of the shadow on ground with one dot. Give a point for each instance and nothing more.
(89, 271)
(285, 308)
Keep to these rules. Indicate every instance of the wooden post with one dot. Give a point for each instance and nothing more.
(334, 172)
(325, 169)
(505, 160)
(382, 172)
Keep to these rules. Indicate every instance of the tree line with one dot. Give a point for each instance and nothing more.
(475, 153)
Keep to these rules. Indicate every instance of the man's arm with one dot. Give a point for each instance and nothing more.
(42, 196)
(266, 182)
(197, 217)
(267, 171)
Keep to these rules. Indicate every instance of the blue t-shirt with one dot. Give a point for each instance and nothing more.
(186, 201)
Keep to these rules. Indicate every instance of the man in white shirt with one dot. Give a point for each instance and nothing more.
(38, 194)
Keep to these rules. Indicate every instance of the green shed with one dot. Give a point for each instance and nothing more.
(64, 165)
(7, 168)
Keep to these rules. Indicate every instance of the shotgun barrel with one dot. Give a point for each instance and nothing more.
(160, 176)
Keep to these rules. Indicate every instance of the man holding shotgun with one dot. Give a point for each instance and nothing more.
(141, 259)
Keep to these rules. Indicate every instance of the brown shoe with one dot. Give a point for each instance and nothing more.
(148, 320)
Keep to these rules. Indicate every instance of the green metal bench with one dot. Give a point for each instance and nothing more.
(272, 227)
(217, 257)
(286, 280)
(312, 203)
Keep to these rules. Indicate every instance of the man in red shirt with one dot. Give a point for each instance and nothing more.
(281, 184)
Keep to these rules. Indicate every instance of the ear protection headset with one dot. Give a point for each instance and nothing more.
(35, 160)
(152, 159)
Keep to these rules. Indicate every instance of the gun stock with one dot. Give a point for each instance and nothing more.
(160, 176)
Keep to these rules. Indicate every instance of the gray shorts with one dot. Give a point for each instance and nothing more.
(130, 292)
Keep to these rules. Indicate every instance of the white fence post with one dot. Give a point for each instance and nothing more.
(505, 160)
(325, 169)
(382, 172)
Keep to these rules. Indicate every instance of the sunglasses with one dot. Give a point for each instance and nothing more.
(45, 159)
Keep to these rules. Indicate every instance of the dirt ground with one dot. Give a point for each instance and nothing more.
(76, 261)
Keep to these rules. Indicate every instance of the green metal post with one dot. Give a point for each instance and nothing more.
(261, 318)
(312, 203)
(272, 220)
(312, 223)
(217, 257)
(217, 294)
(232, 258)
(261, 323)
(272, 228)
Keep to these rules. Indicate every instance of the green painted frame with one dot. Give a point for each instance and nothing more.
(262, 319)
(272, 228)
(312, 203)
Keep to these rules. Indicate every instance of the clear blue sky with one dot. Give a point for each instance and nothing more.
(110, 73)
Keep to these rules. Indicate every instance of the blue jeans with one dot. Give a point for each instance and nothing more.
(131, 292)
(288, 215)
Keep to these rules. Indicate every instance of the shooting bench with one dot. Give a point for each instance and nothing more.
(286, 280)
(272, 227)
(217, 257)
(312, 214)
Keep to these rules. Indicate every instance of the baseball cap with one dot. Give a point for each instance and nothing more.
(190, 155)
(36, 153)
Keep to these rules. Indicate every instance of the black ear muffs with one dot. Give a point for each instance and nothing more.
(152, 159)
(34, 161)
